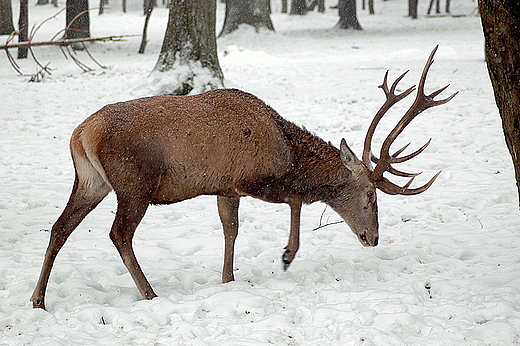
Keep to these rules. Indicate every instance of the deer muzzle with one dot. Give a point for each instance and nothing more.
(368, 239)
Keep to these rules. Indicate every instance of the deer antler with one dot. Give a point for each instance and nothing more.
(385, 161)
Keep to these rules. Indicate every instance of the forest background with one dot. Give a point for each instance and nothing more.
(446, 271)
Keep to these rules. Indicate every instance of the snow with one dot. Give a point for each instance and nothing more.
(446, 272)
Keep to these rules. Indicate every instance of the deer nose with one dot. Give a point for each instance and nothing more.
(367, 240)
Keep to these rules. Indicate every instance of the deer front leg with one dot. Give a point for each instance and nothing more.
(294, 235)
(228, 212)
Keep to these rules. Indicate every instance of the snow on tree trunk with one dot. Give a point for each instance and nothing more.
(188, 62)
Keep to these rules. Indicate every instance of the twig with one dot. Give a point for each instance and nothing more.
(92, 58)
(81, 65)
(40, 75)
(327, 224)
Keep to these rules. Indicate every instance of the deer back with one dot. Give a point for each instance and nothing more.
(204, 144)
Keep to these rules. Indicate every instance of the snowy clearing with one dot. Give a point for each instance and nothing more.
(446, 272)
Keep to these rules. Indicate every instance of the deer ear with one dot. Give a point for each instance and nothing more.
(348, 157)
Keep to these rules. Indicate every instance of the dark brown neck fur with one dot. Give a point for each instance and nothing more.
(316, 170)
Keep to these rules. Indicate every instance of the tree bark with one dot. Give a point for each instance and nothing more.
(348, 15)
(319, 3)
(413, 8)
(188, 62)
(284, 6)
(102, 4)
(77, 19)
(6, 17)
(500, 23)
(253, 12)
(23, 28)
(148, 8)
(298, 7)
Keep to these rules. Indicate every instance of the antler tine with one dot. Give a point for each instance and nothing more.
(396, 159)
(387, 186)
(391, 99)
(426, 69)
(396, 171)
(443, 101)
(394, 85)
(421, 103)
(400, 150)
(401, 173)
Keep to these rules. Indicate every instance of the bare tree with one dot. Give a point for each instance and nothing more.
(285, 6)
(500, 22)
(437, 4)
(298, 7)
(256, 13)
(6, 17)
(317, 3)
(348, 15)
(148, 8)
(77, 19)
(413, 6)
(188, 62)
(23, 28)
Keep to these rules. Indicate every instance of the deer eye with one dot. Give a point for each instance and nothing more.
(371, 196)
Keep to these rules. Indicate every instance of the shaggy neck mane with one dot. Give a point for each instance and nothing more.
(317, 169)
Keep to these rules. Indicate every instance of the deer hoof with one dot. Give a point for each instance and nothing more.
(287, 258)
(38, 303)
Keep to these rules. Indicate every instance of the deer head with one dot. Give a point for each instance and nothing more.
(370, 178)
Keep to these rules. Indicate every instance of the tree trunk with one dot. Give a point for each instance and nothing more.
(253, 12)
(319, 3)
(500, 22)
(148, 8)
(23, 28)
(298, 7)
(413, 8)
(78, 19)
(348, 15)
(6, 17)
(188, 62)
(102, 4)
(284, 6)
(371, 9)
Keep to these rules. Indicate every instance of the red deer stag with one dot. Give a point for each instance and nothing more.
(165, 149)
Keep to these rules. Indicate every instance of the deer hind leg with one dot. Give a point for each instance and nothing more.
(294, 235)
(228, 212)
(130, 211)
(85, 196)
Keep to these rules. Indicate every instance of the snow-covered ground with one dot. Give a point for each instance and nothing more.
(446, 272)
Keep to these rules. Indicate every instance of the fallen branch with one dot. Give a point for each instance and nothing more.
(64, 42)
(67, 46)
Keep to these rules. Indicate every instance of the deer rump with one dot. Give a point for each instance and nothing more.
(166, 149)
